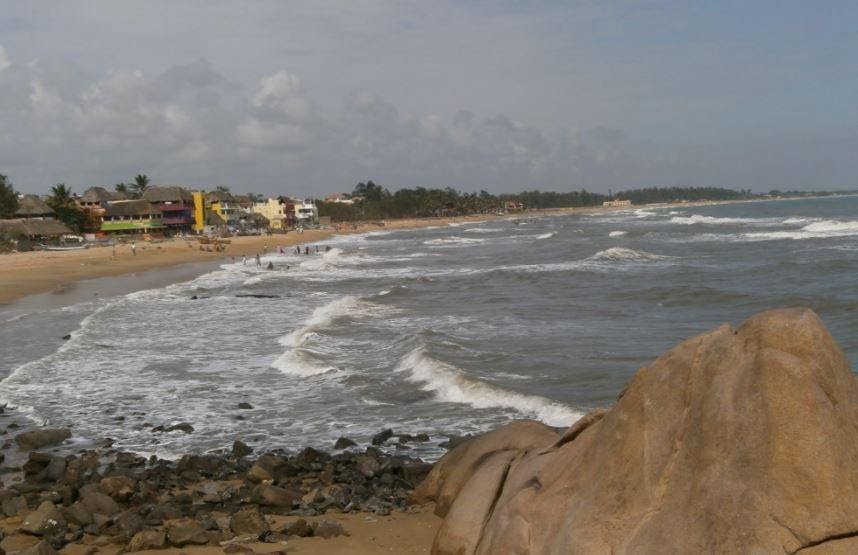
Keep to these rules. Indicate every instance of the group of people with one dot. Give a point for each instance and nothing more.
(298, 250)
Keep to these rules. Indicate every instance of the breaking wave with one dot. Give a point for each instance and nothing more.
(298, 360)
(817, 230)
(620, 253)
(451, 385)
(710, 220)
(617, 233)
(453, 241)
(547, 235)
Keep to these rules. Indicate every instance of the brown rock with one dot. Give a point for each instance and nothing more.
(241, 449)
(298, 528)
(273, 496)
(18, 542)
(97, 502)
(736, 441)
(119, 488)
(328, 529)
(77, 513)
(185, 531)
(45, 521)
(249, 522)
(41, 548)
(45, 437)
(148, 539)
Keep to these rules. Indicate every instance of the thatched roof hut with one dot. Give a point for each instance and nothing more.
(32, 228)
(32, 206)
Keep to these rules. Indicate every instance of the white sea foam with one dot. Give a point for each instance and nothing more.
(617, 233)
(484, 230)
(620, 253)
(444, 241)
(710, 220)
(296, 360)
(822, 229)
(547, 235)
(451, 385)
(16, 317)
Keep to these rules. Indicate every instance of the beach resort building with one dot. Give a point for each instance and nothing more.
(33, 207)
(306, 213)
(616, 203)
(176, 205)
(132, 216)
(97, 198)
(227, 209)
(339, 198)
(280, 212)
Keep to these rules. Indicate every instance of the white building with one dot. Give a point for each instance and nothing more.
(306, 213)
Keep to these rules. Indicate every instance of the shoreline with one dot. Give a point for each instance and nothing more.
(29, 274)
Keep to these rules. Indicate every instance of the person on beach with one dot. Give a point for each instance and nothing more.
(327, 248)
(133, 248)
(244, 260)
(258, 261)
(279, 249)
(306, 251)
(114, 249)
(317, 249)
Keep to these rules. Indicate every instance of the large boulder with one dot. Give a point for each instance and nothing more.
(44, 437)
(45, 521)
(736, 441)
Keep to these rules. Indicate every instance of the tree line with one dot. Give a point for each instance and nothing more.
(372, 201)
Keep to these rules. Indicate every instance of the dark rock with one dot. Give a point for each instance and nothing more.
(129, 523)
(422, 438)
(185, 531)
(78, 514)
(308, 456)
(97, 502)
(66, 337)
(18, 542)
(15, 506)
(245, 406)
(241, 449)
(181, 427)
(249, 522)
(404, 438)
(344, 443)
(382, 436)
(46, 437)
(299, 528)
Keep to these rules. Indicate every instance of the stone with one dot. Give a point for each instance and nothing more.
(241, 449)
(740, 440)
(180, 427)
(128, 523)
(274, 496)
(299, 528)
(237, 548)
(344, 443)
(41, 548)
(245, 406)
(328, 529)
(382, 436)
(249, 521)
(18, 542)
(367, 465)
(148, 539)
(119, 488)
(97, 502)
(15, 506)
(77, 513)
(45, 437)
(45, 521)
(185, 531)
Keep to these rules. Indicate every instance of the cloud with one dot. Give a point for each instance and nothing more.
(4, 59)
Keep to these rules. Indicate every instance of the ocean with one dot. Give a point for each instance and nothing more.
(448, 331)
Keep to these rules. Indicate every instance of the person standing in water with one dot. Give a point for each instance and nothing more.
(133, 248)
(244, 260)
(258, 261)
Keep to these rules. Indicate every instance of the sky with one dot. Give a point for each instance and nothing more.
(295, 97)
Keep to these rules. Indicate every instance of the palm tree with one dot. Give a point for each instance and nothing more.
(141, 183)
(61, 196)
(121, 188)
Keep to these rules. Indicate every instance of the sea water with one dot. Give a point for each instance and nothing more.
(448, 330)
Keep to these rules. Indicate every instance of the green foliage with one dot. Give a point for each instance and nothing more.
(672, 194)
(122, 188)
(141, 183)
(8, 198)
(63, 204)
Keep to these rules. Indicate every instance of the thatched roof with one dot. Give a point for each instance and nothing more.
(100, 195)
(167, 194)
(31, 206)
(131, 208)
(32, 228)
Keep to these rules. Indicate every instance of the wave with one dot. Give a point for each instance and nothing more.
(822, 229)
(547, 235)
(617, 233)
(451, 385)
(711, 220)
(16, 317)
(620, 253)
(298, 360)
(484, 230)
(453, 241)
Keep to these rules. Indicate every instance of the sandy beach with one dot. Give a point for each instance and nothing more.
(29, 273)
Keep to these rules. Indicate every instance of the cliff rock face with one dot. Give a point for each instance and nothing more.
(736, 441)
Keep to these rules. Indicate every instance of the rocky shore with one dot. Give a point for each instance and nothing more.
(112, 501)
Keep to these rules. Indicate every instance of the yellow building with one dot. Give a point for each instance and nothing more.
(199, 211)
(273, 210)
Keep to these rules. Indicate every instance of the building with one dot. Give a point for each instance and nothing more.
(279, 212)
(306, 213)
(513, 206)
(176, 205)
(339, 198)
(33, 207)
(97, 199)
(132, 216)
(616, 203)
(226, 208)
